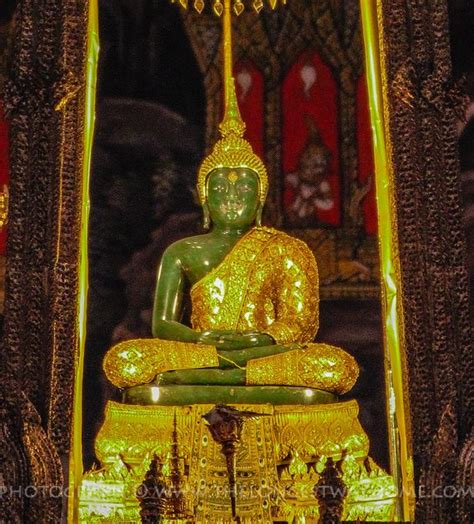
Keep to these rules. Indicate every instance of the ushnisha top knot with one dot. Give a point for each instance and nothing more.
(232, 150)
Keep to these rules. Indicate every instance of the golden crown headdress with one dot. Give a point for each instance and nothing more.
(232, 150)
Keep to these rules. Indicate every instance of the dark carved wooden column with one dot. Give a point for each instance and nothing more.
(44, 102)
(424, 105)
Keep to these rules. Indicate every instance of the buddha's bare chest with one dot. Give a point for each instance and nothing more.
(203, 258)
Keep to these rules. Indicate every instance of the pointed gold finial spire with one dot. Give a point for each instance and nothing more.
(232, 121)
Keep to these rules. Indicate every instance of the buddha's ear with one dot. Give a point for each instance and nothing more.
(258, 216)
(206, 221)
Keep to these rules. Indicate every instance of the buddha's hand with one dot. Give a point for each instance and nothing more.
(227, 339)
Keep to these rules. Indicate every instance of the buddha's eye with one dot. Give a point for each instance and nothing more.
(219, 188)
(245, 188)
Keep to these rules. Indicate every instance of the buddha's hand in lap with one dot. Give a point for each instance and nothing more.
(235, 340)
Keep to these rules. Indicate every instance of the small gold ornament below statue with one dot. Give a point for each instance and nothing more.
(225, 424)
(255, 304)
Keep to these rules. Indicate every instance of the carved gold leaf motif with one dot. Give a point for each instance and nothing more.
(258, 5)
(238, 7)
(218, 8)
(199, 5)
(275, 453)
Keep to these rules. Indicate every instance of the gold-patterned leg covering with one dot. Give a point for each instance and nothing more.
(138, 361)
(319, 366)
(279, 462)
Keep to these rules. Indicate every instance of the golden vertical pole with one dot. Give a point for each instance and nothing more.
(227, 43)
(401, 460)
(232, 120)
(75, 460)
(227, 52)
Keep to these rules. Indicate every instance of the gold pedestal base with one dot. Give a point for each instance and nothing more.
(279, 462)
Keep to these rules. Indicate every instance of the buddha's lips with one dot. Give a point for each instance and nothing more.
(232, 208)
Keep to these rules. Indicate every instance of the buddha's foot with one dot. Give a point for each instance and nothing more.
(207, 377)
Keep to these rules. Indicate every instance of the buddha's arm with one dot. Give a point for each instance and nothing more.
(231, 340)
(168, 302)
(296, 299)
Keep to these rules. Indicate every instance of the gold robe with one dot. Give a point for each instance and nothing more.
(267, 283)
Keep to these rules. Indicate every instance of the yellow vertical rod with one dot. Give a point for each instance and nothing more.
(227, 51)
(395, 365)
(75, 462)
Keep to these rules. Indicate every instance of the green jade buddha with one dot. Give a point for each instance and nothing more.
(254, 295)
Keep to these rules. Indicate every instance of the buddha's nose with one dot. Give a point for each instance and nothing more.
(232, 193)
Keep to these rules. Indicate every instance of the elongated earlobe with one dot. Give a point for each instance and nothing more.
(206, 222)
(258, 216)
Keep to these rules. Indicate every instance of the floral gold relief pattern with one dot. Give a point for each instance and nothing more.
(269, 283)
(281, 457)
(318, 366)
(138, 361)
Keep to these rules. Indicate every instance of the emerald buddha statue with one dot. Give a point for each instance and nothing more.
(254, 295)
(254, 292)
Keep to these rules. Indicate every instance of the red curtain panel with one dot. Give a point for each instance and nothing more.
(249, 87)
(310, 95)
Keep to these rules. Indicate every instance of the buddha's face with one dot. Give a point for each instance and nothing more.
(233, 197)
